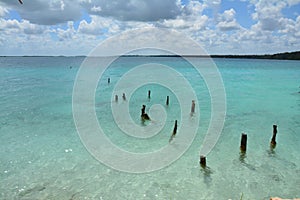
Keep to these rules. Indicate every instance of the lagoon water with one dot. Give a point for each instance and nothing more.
(42, 156)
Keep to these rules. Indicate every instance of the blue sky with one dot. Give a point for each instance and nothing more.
(70, 27)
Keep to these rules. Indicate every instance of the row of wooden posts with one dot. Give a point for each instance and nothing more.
(243, 146)
(145, 116)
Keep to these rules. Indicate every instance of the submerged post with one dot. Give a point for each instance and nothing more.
(143, 110)
(167, 102)
(116, 98)
(144, 115)
(124, 97)
(243, 146)
(202, 161)
(175, 128)
(108, 80)
(174, 132)
(149, 94)
(273, 140)
(193, 107)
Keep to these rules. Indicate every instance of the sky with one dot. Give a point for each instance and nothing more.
(76, 27)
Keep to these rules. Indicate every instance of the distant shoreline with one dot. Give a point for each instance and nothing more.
(279, 56)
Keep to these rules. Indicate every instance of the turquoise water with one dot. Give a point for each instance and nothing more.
(42, 156)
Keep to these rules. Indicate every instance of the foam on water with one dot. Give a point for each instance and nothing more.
(42, 156)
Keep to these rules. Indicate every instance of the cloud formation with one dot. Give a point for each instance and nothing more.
(42, 12)
(227, 21)
(68, 27)
(133, 10)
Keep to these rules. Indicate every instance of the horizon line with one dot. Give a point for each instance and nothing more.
(161, 55)
(294, 55)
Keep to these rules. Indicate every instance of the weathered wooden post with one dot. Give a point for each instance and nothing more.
(202, 161)
(149, 94)
(175, 128)
(144, 115)
(167, 102)
(193, 107)
(243, 146)
(174, 132)
(143, 110)
(273, 140)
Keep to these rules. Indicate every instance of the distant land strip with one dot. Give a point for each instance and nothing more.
(279, 56)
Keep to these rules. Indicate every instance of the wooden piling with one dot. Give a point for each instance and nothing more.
(108, 80)
(149, 94)
(175, 128)
(174, 132)
(202, 161)
(143, 110)
(144, 115)
(193, 107)
(116, 98)
(243, 146)
(273, 140)
(167, 102)
(124, 97)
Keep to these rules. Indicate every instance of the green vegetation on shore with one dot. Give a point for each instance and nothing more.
(279, 56)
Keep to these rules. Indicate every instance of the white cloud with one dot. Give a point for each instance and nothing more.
(31, 29)
(23, 27)
(89, 28)
(99, 26)
(190, 20)
(227, 21)
(213, 3)
(42, 12)
(268, 13)
(290, 27)
(228, 26)
(218, 32)
(175, 23)
(189, 23)
(273, 24)
(9, 24)
(3, 11)
(67, 34)
(297, 27)
(293, 2)
(96, 9)
(57, 5)
(229, 15)
(133, 10)
(194, 8)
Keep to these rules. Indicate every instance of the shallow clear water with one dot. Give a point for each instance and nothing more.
(42, 156)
